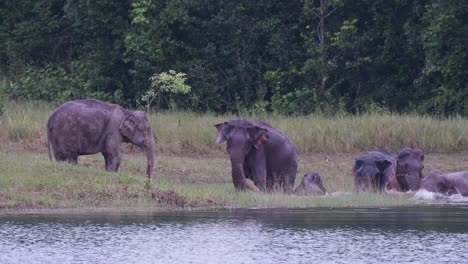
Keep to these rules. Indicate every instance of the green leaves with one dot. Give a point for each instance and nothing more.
(166, 82)
(294, 57)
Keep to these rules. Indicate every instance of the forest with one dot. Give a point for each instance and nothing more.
(293, 57)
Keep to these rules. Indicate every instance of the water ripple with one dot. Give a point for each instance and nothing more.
(285, 236)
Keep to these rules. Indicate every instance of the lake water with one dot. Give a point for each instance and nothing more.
(430, 234)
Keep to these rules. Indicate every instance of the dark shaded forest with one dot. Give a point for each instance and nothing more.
(288, 57)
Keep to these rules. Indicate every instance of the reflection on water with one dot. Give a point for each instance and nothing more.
(425, 235)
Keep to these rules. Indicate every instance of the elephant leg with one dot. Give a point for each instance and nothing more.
(106, 161)
(112, 153)
(287, 179)
(72, 158)
(113, 163)
(59, 156)
(256, 164)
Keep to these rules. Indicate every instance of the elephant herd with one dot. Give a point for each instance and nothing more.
(262, 158)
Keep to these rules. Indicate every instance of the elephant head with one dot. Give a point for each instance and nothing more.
(241, 137)
(409, 166)
(372, 170)
(135, 128)
(311, 184)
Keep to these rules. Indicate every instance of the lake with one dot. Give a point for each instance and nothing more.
(425, 234)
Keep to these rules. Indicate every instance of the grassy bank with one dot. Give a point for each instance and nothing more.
(30, 180)
(23, 125)
(193, 171)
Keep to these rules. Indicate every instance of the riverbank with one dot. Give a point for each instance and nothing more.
(29, 180)
(192, 171)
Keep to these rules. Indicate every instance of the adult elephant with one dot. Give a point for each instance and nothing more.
(446, 183)
(379, 170)
(91, 126)
(372, 170)
(408, 171)
(260, 153)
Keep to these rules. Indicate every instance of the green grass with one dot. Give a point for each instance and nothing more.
(29, 180)
(188, 133)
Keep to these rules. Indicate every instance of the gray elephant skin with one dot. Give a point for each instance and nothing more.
(89, 126)
(372, 170)
(408, 171)
(446, 183)
(260, 153)
(311, 184)
(379, 170)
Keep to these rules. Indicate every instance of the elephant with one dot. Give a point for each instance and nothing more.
(311, 184)
(260, 153)
(408, 171)
(90, 126)
(446, 183)
(372, 170)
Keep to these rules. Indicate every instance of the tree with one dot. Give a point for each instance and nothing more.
(166, 82)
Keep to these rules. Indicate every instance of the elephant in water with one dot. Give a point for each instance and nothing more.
(260, 153)
(372, 170)
(311, 184)
(408, 171)
(89, 126)
(379, 170)
(446, 183)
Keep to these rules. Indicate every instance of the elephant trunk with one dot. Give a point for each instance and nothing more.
(413, 179)
(238, 175)
(150, 154)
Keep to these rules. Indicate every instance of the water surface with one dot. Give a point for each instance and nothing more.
(435, 234)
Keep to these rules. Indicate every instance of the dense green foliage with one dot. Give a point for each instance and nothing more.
(292, 57)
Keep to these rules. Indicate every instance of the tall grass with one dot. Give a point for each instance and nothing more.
(186, 132)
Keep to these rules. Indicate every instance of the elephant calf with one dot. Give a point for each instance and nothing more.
(89, 126)
(311, 184)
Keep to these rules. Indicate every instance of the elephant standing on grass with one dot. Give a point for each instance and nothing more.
(89, 126)
(260, 153)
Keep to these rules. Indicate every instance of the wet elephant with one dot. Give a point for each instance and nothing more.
(446, 183)
(311, 184)
(260, 153)
(372, 170)
(408, 171)
(91, 126)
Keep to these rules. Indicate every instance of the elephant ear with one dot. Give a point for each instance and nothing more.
(420, 153)
(357, 165)
(383, 165)
(222, 135)
(128, 126)
(259, 136)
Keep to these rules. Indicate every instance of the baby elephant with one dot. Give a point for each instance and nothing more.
(311, 184)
